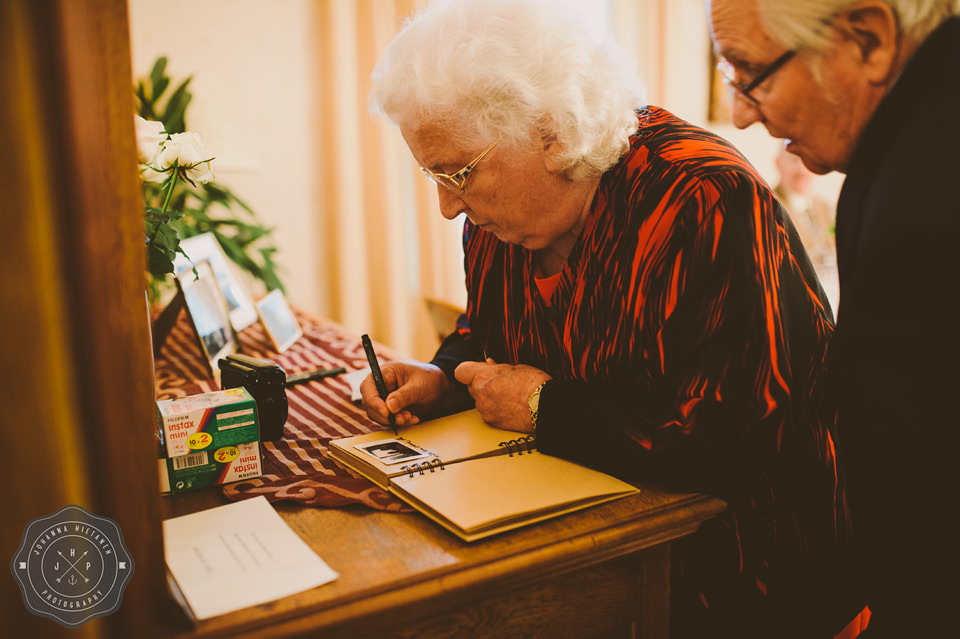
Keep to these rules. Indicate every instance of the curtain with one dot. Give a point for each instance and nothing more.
(386, 245)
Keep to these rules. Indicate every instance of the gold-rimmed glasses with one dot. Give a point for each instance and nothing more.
(729, 73)
(456, 182)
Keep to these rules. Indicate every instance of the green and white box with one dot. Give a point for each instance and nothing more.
(207, 421)
(210, 467)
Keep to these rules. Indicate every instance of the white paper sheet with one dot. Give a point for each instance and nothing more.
(238, 555)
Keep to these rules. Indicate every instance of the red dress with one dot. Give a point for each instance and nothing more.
(687, 337)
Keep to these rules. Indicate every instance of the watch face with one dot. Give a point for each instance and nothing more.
(534, 401)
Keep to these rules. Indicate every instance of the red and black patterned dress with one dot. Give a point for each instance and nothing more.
(687, 336)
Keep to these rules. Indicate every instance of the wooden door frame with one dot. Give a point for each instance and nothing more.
(78, 381)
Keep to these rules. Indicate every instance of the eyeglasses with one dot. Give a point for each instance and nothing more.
(726, 69)
(456, 182)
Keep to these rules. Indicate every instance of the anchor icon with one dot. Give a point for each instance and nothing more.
(73, 566)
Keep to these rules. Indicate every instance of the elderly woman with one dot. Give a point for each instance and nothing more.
(636, 297)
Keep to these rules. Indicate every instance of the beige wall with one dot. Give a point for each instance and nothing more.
(252, 62)
(254, 104)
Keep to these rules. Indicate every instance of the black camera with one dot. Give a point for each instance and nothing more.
(266, 382)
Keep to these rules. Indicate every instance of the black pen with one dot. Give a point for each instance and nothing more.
(378, 377)
(319, 373)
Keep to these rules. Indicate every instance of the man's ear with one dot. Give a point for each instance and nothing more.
(872, 26)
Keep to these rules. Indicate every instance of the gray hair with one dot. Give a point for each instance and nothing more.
(801, 24)
(510, 70)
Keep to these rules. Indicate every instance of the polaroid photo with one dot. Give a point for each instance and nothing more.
(209, 315)
(278, 320)
(206, 247)
(391, 451)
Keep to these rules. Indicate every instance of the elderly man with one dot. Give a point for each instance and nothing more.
(872, 89)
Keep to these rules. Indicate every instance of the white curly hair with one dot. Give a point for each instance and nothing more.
(516, 71)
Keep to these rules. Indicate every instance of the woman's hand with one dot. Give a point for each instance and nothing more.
(501, 392)
(413, 386)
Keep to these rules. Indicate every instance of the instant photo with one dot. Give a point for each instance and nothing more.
(206, 248)
(392, 451)
(278, 320)
(209, 315)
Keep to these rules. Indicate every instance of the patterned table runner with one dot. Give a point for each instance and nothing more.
(297, 467)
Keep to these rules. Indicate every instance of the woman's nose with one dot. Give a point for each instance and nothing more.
(451, 204)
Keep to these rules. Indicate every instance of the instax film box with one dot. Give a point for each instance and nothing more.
(209, 420)
(208, 439)
(210, 467)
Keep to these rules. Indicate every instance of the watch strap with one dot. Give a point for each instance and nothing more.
(535, 412)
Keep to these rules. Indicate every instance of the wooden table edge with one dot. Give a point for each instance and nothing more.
(422, 597)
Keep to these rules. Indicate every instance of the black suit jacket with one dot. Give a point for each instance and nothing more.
(896, 372)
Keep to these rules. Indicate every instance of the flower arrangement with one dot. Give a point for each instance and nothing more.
(167, 160)
(181, 196)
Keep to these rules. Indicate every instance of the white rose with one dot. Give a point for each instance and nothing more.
(200, 172)
(150, 136)
(187, 151)
(149, 175)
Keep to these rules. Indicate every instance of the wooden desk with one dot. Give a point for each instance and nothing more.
(601, 572)
(596, 573)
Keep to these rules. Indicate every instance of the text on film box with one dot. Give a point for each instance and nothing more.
(207, 421)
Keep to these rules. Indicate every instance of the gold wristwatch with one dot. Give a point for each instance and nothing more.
(533, 403)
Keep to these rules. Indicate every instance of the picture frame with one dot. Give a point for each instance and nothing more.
(209, 315)
(206, 247)
(278, 320)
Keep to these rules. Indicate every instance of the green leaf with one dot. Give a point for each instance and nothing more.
(154, 215)
(160, 86)
(166, 237)
(146, 104)
(159, 264)
(174, 115)
(157, 73)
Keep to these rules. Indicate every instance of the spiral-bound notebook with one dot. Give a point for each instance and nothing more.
(473, 479)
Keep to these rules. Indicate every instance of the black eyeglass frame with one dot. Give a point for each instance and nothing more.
(725, 67)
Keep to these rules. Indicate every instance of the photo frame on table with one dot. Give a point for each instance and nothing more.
(209, 314)
(278, 320)
(206, 247)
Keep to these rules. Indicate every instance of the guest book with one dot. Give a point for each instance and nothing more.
(472, 478)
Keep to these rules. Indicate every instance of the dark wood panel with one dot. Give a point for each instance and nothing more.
(82, 393)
